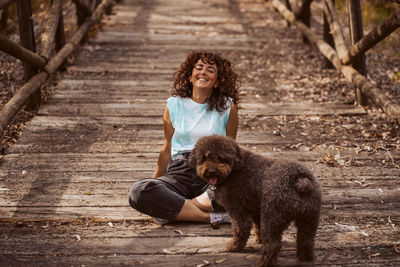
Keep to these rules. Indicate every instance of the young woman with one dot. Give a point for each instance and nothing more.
(203, 102)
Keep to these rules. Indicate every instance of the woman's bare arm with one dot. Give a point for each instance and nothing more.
(233, 122)
(165, 153)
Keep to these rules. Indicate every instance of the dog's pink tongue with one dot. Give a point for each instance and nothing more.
(212, 181)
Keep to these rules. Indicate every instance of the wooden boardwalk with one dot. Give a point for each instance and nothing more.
(64, 185)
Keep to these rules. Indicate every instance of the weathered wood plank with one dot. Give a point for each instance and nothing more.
(113, 36)
(111, 194)
(218, 259)
(337, 177)
(120, 213)
(148, 109)
(124, 162)
(162, 245)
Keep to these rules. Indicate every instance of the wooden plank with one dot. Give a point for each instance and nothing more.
(112, 194)
(107, 142)
(218, 259)
(104, 83)
(125, 68)
(329, 177)
(111, 36)
(301, 108)
(72, 121)
(162, 245)
(124, 162)
(143, 109)
(121, 213)
(176, 48)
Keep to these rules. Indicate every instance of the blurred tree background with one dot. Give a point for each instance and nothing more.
(373, 13)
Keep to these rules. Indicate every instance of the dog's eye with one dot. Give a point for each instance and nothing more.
(222, 159)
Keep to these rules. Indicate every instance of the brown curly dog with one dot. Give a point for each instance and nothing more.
(270, 193)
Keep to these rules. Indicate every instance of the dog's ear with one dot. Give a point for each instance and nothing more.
(239, 157)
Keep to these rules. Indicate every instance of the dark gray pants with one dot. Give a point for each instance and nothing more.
(163, 197)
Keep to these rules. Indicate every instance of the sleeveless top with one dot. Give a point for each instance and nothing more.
(191, 121)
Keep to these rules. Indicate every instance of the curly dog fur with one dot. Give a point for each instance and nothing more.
(267, 192)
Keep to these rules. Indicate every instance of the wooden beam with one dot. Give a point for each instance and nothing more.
(370, 90)
(21, 53)
(83, 7)
(6, 3)
(82, 12)
(327, 35)
(60, 39)
(384, 29)
(74, 42)
(31, 87)
(373, 93)
(325, 48)
(304, 8)
(49, 34)
(356, 33)
(336, 29)
(305, 15)
(27, 38)
(26, 33)
(4, 16)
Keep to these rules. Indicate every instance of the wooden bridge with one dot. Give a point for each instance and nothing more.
(64, 184)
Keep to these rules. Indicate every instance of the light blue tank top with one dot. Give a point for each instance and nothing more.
(191, 121)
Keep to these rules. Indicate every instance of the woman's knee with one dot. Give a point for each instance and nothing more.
(137, 193)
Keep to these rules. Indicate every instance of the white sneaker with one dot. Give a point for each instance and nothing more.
(160, 220)
(219, 217)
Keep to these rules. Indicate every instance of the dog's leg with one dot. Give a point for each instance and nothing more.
(241, 231)
(271, 247)
(273, 223)
(256, 221)
(306, 231)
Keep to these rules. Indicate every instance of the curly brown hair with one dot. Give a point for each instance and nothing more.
(227, 81)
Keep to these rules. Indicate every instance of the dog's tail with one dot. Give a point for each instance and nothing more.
(304, 186)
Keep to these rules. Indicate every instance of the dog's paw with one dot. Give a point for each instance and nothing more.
(305, 255)
(234, 246)
(215, 225)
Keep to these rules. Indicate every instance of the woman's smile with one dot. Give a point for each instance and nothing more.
(204, 75)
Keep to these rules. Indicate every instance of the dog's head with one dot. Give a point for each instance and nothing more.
(214, 157)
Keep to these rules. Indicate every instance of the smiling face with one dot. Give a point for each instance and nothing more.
(204, 76)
